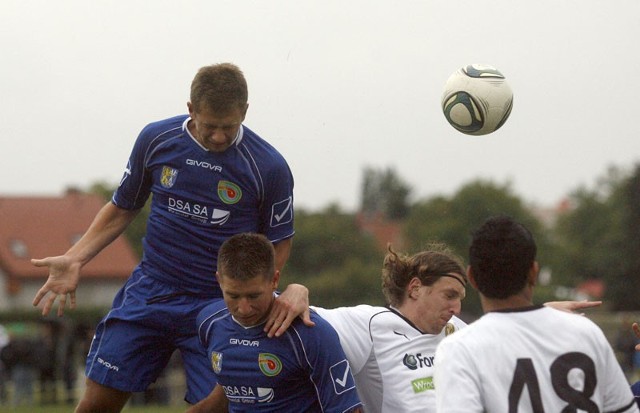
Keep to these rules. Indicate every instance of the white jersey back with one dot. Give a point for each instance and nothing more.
(391, 360)
(533, 360)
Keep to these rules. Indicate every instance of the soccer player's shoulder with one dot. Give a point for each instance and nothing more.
(215, 308)
(457, 323)
(321, 328)
(160, 126)
(257, 145)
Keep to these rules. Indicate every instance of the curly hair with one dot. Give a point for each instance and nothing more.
(436, 261)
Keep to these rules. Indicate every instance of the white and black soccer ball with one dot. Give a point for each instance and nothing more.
(477, 99)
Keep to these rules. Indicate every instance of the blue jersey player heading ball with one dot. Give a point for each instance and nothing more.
(304, 370)
(211, 177)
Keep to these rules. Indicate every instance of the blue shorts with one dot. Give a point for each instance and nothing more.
(133, 343)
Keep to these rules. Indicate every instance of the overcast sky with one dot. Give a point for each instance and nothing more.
(335, 85)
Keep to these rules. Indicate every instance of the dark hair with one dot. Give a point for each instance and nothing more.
(429, 266)
(246, 256)
(501, 254)
(220, 88)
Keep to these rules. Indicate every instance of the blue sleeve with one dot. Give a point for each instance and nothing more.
(330, 369)
(277, 210)
(636, 392)
(205, 318)
(135, 185)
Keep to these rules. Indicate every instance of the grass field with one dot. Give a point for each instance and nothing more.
(69, 409)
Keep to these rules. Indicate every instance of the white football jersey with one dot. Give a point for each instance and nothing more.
(535, 359)
(391, 360)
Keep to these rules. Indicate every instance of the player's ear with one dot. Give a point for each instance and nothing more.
(471, 278)
(414, 287)
(218, 277)
(533, 273)
(275, 280)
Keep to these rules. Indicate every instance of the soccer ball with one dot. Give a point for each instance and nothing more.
(477, 99)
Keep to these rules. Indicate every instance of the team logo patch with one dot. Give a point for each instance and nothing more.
(341, 377)
(216, 361)
(229, 192)
(169, 176)
(270, 365)
(265, 394)
(449, 329)
(423, 384)
(282, 212)
(127, 173)
(220, 216)
(410, 361)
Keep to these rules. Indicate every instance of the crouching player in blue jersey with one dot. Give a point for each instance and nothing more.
(211, 177)
(303, 370)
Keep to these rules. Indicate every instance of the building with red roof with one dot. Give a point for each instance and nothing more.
(39, 227)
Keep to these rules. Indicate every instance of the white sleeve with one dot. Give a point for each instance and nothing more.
(352, 326)
(455, 379)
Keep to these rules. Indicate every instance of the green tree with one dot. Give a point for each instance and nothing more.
(138, 228)
(384, 192)
(588, 234)
(331, 256)
(624, 285)
(451, 220)
(599, 236)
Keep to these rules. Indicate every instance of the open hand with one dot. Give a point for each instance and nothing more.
(62, 282)
(292, 303)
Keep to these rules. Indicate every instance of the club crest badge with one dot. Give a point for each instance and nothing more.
(229, 192)
(169, 176)
(449, 329)
(216, 361)
(270, 365)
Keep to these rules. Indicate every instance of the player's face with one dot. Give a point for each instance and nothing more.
(215, 131)
(437, 303)
(249, 301)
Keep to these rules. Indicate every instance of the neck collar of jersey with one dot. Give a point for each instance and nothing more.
(236, 140)
(275, 295)
(518, 309)
(411, 323)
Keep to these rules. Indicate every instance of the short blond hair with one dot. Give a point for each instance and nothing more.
(220, 87)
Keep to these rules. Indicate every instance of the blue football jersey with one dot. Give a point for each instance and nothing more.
(201, 198)
(304, 370)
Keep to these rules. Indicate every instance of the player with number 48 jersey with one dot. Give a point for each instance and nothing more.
(564, 360)
(521, 357)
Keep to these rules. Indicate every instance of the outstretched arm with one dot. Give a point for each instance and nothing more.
(572, 306)
(64, 270)
(292, 303)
